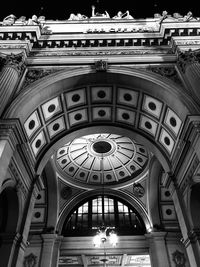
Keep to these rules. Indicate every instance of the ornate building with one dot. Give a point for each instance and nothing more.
(100, 124)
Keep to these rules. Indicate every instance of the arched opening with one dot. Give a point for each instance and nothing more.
(100, 210)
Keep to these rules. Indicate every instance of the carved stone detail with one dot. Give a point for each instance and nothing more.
(66, 192)
(101, 65)
(30, 260)
(34, 75)
(138, 190)
(179, 258)
(168, 72)
(15, 61)
(187, 58)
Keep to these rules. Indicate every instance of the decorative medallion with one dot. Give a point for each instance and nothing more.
(138, 190)
(102, 159)
(30, 260)
(179, 258)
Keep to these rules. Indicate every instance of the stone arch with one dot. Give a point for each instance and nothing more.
(130, 199)
(154, 110)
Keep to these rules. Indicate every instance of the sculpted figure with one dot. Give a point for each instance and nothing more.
(121, 15)
(9, 20)
(104, 15)
(177, 15)
(77, 17)
(189, 17)
(33, 20)
(118, 16)
(21, 20)
(157, 15)
(127, 15)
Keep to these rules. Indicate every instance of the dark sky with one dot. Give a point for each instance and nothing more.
(60, 9)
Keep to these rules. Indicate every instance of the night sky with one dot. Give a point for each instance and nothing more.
(61, 10)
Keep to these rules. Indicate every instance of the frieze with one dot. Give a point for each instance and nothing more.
(100, 53)
(168, 72)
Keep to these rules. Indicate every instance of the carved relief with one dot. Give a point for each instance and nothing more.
(138, 190)
(34, 75)
(168, 72)
(30, 260)
(66, 192)
(101, 65)
(179, 259)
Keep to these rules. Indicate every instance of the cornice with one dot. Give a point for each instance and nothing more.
(66, 34)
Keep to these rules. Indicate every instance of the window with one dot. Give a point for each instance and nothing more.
(86, 218)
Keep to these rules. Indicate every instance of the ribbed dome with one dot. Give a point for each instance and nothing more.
(101, 159)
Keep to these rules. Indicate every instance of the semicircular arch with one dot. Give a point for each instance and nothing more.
(130, 199)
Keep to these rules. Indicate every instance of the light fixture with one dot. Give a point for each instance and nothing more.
(103, 235)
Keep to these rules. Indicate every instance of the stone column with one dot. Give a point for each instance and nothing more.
(11, 67)
(190, 237)
(158, 249)
(48, 249)
(190, 66)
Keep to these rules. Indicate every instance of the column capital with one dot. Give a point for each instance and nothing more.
(188, 58)
(16, 61)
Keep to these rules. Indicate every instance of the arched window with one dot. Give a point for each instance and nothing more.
(86, 218)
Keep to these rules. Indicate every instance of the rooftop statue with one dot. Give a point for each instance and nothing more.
(104, 15)
(121, 15)
(33, 20)
(78, 16)
(9, 20)
(21, 20)
(189, 17)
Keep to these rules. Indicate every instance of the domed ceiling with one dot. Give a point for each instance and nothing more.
(97, 159)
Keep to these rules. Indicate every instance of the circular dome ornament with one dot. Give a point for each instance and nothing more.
(97, 159)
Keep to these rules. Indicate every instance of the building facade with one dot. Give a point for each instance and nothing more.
(100, 124)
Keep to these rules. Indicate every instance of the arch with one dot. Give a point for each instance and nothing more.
(144, 124)
(130, 199)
